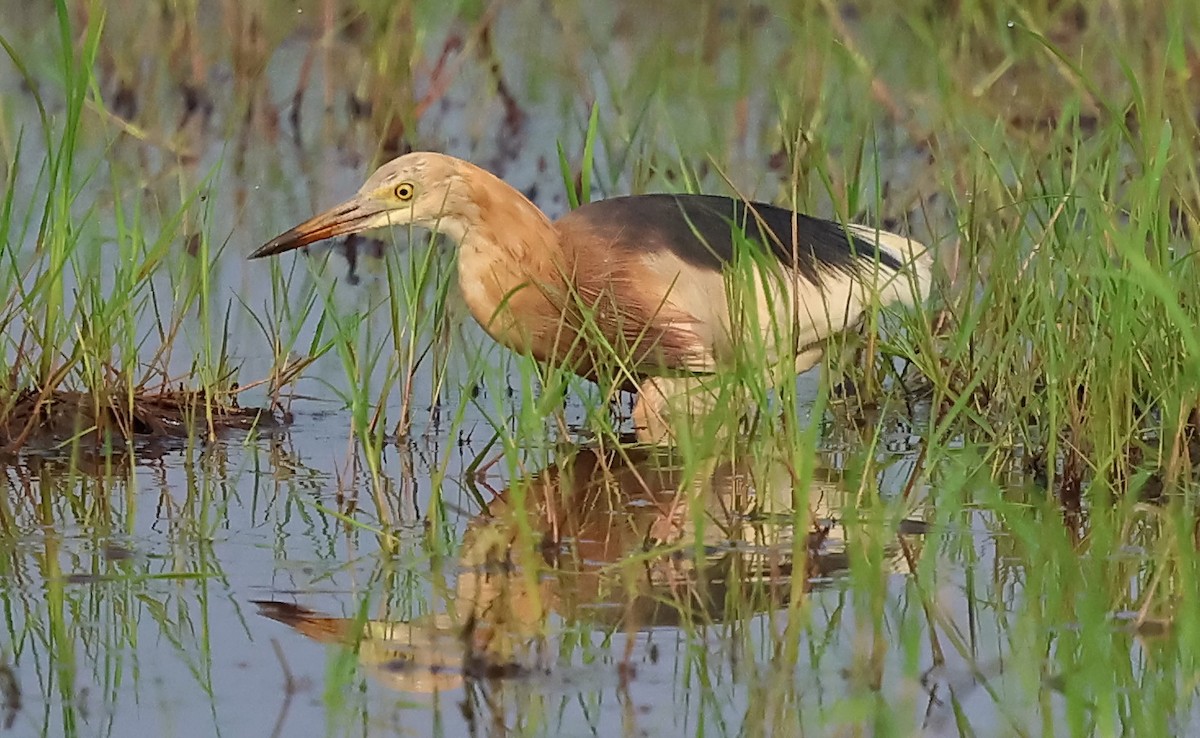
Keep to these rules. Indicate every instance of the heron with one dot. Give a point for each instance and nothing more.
(652, 293)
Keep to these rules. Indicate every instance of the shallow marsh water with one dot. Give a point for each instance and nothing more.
(139, 609)
(320, 578)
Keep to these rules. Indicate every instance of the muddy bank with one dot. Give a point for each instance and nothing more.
(41, 419)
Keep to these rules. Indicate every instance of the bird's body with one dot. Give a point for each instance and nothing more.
(640, 290)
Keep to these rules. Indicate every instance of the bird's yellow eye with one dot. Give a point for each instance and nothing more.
(404, 191)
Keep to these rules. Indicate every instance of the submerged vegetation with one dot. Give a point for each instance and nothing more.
(1005, 482)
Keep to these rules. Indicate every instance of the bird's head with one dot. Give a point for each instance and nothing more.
(423, 189)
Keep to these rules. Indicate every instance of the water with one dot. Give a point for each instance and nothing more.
(145, 619)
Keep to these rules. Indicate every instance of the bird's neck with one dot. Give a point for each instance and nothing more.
(510, 262)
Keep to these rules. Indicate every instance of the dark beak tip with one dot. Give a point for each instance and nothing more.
(276, 245)
(346, 218)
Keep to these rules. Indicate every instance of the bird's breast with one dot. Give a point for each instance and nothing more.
(511, 298)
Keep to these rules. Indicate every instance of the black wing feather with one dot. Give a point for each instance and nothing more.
(699, 229)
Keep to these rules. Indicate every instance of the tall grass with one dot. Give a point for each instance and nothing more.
(1046, 401)
(97, 299)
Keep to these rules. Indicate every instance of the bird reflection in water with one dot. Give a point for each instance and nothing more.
(622, 540)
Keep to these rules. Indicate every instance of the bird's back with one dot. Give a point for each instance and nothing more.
(705, 231)
(660, 267)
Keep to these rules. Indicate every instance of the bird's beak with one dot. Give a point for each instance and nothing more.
(358, 214)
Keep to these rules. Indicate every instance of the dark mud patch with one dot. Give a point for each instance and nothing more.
(45, 419)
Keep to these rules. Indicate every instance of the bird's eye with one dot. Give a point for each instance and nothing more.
(404, 191)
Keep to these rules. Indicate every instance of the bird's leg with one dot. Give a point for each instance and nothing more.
(665, 404)
(650, 415)
(809, 357)
(849, 352)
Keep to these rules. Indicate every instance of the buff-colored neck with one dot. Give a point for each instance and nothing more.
(509, 261)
